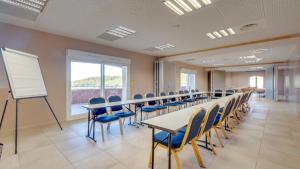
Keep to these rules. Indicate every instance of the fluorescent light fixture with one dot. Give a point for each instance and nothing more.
(248, 57)
(32, 5)
(121, 31)
(173, 7)
(219, 64)
(231, 31)
(165, 46)
(184, 5)
(211, 36)
(206, 2)
(195, 4)
(223, 32)
(217, 34)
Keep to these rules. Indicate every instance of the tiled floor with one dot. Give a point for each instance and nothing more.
(268, 138)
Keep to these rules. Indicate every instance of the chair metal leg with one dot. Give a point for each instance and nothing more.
(121, 126)
(211, 143)
(177, 159)
(102, 132)
(198, 154)
(218, 136)
(223, 131)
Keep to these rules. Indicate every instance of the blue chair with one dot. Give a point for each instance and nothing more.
(119, 109)
(188, 99)
(102, 116)
(202, 97)
(229, 92)
(208, 124)
(152, 106)
(180, 140)
(217, 94)
(174, 101)
(221, 117)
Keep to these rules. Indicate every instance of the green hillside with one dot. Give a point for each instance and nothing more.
(110, 81)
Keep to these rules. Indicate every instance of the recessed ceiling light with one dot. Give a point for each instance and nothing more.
(223, 32)
(164, 46)
(231, 31)
(248, 57)
(195, 4)
(184, 5)
(32, 5)
(173, 7)
(210, 35)
(217, 34)
(206, 2)
(121, 31)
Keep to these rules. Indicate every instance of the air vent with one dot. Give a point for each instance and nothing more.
(249, 27)
(116, 33)
(108, 37)
(153, 49)
(17, 9)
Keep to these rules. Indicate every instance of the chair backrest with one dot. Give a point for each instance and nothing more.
(194, 127)
(136, 97)
(98, 100)
(186, 92)
(237, 102)
(182, 92)
(229, 92)
(151, 95)
(228, 109)
(197, 90)
(115, 99)
(172, 99)
(164, 100)
(218, 93)
(211, 116)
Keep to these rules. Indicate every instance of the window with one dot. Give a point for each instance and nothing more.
(93, 76)
(187, 80)
(256, 81)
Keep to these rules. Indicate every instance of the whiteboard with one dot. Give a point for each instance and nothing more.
(24, 74)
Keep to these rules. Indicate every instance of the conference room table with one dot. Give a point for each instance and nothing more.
(91, 107)
(174, 121)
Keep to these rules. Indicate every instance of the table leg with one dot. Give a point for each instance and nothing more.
(88, 125)
(152, 153)
(170, 147)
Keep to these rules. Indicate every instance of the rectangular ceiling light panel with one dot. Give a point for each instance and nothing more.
(164, 46)
(121, 31)
(32, 5)
(221, 33)
(182, 6)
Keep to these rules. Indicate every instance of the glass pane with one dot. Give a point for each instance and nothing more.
(252, 81)
(260, 82)
(113, 80)
(183, 81)
(85, 84)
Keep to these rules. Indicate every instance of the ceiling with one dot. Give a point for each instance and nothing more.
(155, 24)
(276, 51)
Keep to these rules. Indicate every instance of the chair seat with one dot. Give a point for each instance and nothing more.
(107, 118)
(125, 114)
(150, 109)
(172, 104)
(203, 97)
(217, 119)
(188, 100)
(160, 107)
(162, 138)
(182, 130)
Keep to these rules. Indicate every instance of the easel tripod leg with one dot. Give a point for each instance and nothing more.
(53, 113)
(16, 127)
(3, 114)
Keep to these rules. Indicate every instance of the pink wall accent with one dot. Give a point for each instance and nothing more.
(52, 52)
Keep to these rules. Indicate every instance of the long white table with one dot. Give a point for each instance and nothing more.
(174, 121)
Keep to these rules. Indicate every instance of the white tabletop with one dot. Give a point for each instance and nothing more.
(133, 101)
(172, 122)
